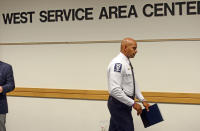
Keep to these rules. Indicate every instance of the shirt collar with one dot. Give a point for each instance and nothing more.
(124, 57)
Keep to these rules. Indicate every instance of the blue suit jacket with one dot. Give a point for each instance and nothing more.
(8, 84)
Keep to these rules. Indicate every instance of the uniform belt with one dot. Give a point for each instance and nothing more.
(126, 95)
(130, 97)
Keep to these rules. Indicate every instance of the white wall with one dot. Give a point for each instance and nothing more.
(30, 114)
(159, 66)
(184, 26)
(166, 66)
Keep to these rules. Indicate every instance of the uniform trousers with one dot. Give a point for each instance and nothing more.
(121, 116)
(2, 122)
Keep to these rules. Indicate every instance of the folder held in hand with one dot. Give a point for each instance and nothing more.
(152, 116)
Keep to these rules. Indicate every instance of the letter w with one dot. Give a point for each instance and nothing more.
(7, 18)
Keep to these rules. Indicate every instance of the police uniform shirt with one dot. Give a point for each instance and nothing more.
(120, 80)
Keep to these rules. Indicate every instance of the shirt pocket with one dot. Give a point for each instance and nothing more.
(128, 76)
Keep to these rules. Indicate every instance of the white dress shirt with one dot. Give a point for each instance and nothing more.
(120, 80)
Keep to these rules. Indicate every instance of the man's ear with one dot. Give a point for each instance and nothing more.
(125, 48)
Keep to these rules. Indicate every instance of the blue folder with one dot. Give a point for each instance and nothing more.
(151, 117)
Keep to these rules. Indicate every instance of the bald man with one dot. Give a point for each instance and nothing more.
(123, 89)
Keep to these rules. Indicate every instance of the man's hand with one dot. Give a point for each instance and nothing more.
(1, 89)
(146, 105)
(138, 108)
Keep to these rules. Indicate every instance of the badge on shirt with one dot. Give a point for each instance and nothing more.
(118, 67)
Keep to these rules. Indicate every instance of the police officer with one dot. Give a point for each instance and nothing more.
(123, 88)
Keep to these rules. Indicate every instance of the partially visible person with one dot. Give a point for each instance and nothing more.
(123, 89)
(7, 84)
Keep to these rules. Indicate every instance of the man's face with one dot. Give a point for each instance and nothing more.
(131, 49)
